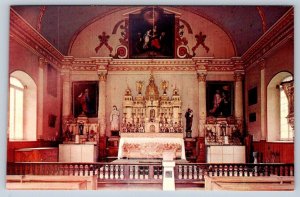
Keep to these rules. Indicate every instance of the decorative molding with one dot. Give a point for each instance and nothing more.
(23, 33)
(201, 77)
(41, 15)
(262, 17)
(262, 64)
(42, 62)
(102, 75)
(280, 32)
(151, 68)
(238, 76)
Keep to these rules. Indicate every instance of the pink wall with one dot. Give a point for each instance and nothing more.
(24, 60)
(86, 40)
(282, 59)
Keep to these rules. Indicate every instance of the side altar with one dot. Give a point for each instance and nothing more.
(151, 124)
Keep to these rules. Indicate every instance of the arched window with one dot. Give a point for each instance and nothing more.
(16, 106)
(22, 107)
(285, 129)
(277, 109)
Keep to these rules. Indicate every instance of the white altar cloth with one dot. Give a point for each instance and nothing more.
(150, 146)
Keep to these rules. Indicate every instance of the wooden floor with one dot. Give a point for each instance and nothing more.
(148, 187)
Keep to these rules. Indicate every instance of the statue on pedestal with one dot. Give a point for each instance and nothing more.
(189, 122)
(114, 120)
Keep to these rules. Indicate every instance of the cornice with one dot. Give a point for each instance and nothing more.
(280, 32)
(27, 36)
(195, 64)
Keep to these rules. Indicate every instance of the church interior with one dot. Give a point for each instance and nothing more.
(151, 98)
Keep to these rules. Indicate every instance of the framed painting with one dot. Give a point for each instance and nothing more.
(151, 34)
(85, 98)
(219, 101)
(252, 96)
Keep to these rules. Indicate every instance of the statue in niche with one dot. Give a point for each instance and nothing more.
(152, 115)
(114, 119)
(152, 90)
(139, 86)
(164, 86)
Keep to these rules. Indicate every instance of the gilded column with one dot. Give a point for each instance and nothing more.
(40, 97)
(102, 101)
(238, 99)
(202, 103)
(263, 101)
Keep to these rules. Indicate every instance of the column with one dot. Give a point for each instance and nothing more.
(202, 103)
(40, 97)
(102, 74)
(238, 99)
(263, 101)
(67, 97)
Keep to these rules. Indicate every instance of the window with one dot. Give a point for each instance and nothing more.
(22, 107)
(285, 129)
(16, 107)
(278, 128)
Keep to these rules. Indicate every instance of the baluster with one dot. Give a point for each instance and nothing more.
(102, 169)
(119, 171)
(143, 172)
(114, 171)
(137, 173)
(284, 170)
(126, 171)
(182, 171)
(133, 172)
(198, 172)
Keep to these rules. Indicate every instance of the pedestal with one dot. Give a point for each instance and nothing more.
(102, 148)
(168, 176)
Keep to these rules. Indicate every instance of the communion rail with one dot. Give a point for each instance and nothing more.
(148, 172)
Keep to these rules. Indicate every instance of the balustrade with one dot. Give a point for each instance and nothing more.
(148, 172)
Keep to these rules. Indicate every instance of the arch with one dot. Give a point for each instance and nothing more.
(29, 105)
(273, 106)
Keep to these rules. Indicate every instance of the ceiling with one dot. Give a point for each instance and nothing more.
(244, 24)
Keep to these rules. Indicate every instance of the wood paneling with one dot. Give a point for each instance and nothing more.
(12, 146)
(273, 152)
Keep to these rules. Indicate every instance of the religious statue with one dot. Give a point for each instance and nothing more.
(164, 86)
(128, 92)
(114, 119)
(189, 121)
(139, 86)
(152, 90)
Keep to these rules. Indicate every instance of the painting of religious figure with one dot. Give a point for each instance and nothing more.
(85, 98)
(151, 34)
(219, 101)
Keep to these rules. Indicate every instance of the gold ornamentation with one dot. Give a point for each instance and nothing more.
(201, 77)
(139, 86)
(238, 77)
(102, 76)
(152, 90)
(164, 86)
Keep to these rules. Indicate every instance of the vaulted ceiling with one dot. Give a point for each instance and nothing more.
(244, 24)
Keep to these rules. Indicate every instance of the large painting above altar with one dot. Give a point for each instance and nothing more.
(151, 34)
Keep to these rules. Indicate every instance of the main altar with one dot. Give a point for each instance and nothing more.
(151, 124)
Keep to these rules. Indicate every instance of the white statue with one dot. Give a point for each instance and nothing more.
(114, 119)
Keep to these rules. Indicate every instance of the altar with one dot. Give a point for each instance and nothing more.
(152, 124)
(151, 145)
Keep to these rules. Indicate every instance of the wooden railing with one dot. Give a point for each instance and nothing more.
(148, 172)
(106, 172)
(193, 172)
